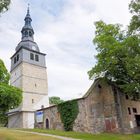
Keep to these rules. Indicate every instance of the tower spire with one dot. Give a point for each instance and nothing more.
(28, 9)
(27, 30)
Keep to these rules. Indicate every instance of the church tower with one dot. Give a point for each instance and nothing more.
(28, 72)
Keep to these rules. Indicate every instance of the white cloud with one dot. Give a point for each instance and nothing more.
(64, 84)
(64, 31)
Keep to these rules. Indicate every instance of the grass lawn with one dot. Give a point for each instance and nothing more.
(86, 136)
(9, 134)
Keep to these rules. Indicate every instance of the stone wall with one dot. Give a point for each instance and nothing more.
(51, 115)
(97, 110)
(15, 120)
(100, 110)
(21, 120)
(81, 123)
(129, 119)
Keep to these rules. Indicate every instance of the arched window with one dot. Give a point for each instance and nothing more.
(47, 123)
(26, 33)
(30, 33)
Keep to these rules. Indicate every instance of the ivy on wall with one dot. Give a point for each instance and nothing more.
(68, 113)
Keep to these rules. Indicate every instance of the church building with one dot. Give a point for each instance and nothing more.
(104, 108)
(28, 72)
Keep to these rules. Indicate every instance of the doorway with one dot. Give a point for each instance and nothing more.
(47, 124)
(137, 120)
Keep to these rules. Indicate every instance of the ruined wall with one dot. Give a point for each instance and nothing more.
(81, 123)
(102, 109)
(97, 111)
(128, 114)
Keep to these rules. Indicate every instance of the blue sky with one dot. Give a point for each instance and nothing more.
(64, 30)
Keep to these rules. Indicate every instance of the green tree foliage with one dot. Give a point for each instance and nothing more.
(68, 112)
(4, 75)
(4, 5)
(10, 97)
(55, 100)
(134, 7)
(118, 58)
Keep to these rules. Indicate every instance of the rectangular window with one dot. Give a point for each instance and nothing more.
(129, 110)
(31, 56)
(134, 110)
(36, 57)
(17, 57)
(15, 60)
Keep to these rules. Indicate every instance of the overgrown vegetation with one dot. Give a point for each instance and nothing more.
(68, 112)
(118, 58)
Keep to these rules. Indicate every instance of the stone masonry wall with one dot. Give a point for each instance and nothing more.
(96, 112)
(129, 119)
(53, 117)
(81, 123)
(99, 111)
(15, 120)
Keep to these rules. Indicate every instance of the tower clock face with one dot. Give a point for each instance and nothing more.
(34, 48)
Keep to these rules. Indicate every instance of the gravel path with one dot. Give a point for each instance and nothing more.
(43, 134)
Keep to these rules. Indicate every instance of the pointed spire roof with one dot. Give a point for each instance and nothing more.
(28, 20)
(28, 9)
(27, 32)
(28, 13)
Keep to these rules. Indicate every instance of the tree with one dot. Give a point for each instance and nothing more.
(55, 100)
(134, 27)
(4, 5)
(118, 58)
(10, 97)
(4, 75)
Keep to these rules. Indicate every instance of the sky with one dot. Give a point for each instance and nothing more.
(64, 30)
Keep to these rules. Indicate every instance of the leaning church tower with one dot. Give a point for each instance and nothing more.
(28, 72)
